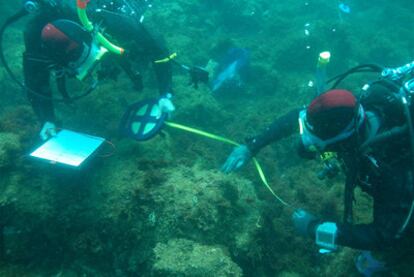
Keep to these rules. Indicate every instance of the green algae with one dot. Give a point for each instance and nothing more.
(9, 148)
(187, 258)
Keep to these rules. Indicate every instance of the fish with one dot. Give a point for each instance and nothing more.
(229, 68)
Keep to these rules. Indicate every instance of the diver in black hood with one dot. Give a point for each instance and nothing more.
(60, 39)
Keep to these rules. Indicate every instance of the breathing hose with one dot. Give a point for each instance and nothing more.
(368, 68)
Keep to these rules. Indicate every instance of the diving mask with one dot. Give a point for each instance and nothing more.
(88, 61)
(313, 143)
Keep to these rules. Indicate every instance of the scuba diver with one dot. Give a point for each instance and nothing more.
(61, 42)
(373, 138)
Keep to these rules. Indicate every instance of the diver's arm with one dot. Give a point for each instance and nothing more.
(361, 236)
(379, 235)
(392, 202)
(132, 74)
(158, 52)
(373, 236)
(164, 76)
(281, 128)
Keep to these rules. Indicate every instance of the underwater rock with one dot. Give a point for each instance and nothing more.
(180, 257)
(207, 206)
(14, 244)
(288, 274)
(9, 147)
(146, 201)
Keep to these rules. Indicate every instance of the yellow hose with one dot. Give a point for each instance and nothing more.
(83, 17)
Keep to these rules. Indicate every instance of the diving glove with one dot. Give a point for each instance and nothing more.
(165, 104)
(239, 157)
(304, 222)
(48, 131)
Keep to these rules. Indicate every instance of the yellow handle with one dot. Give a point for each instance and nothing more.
(167, 59)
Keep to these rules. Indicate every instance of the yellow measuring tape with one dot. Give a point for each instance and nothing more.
(228, 141)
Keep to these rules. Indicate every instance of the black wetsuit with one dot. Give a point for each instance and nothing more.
(384, 172)
(127, 32)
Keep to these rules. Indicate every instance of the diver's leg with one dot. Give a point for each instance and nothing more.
(36, 72)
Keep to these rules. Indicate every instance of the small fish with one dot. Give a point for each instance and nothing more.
(229, 68)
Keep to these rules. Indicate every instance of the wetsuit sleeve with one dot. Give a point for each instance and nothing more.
(36, 72)
(144, 47)
(155, 50)
(139, 43)
(392, 201)
(375, 236)
(280, 128)
(364, 237)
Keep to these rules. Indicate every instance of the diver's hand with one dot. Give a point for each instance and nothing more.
(304, 222)
(48, 130)
(239, 157)
(165, 104)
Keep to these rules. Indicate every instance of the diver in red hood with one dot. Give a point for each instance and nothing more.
(58, 42)
(371, 140)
